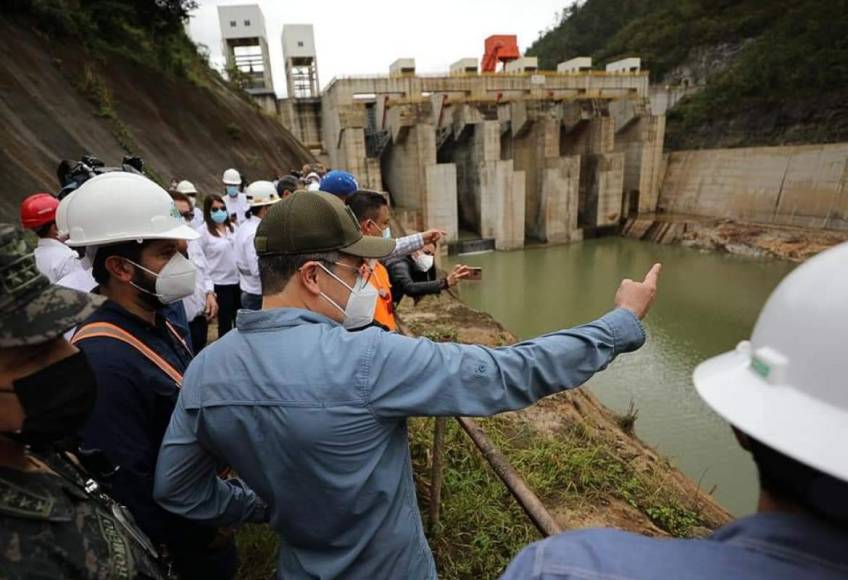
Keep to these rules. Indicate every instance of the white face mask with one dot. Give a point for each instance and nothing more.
(360, 307)
(174, 282)
(423, 262)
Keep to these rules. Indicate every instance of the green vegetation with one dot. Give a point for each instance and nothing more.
(145, 31)
(482, 527)
(627, 421)
(97, 92)
(788, 83)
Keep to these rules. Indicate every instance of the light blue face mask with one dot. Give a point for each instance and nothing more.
(387, 234)
(219, 216)
(232, 190)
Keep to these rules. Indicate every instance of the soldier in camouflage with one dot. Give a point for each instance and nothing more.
(54, 520)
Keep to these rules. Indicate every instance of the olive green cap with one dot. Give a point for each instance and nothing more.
(32, 310)
(313, 222)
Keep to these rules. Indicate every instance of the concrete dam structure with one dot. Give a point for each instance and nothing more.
(803, 186)
(508, 157)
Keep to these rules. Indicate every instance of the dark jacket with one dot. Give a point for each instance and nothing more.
(135, 400)
(408, 281)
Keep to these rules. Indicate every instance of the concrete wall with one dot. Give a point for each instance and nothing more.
(559, 199)
(641, 142)
(303, 118)
(503, 199)
(799, 186)
(441, 207)
(405, 163)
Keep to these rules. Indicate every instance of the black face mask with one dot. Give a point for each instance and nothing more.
(57, 400)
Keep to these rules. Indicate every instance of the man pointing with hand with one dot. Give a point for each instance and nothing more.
(318, 428)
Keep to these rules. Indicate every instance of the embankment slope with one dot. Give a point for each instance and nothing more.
(59, 100)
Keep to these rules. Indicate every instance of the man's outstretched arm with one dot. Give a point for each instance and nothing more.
(409, 377)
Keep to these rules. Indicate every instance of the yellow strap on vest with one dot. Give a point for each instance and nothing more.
(107, 330)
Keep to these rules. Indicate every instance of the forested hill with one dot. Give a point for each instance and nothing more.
(775, 71)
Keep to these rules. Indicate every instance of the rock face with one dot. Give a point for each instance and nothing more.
(703, 62)
(57, 102)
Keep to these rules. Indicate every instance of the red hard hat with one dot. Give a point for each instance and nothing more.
(37, 210)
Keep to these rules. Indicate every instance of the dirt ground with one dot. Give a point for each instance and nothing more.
(786, 243)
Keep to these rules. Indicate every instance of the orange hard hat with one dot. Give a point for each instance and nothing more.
(37, 210)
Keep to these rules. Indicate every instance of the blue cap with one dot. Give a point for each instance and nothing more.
(339, 183)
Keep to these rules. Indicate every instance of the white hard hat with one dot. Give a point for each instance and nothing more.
(231, 177)
(261, 193)
(788, 386)
(120, 207)
(62, 214)
(186, 187)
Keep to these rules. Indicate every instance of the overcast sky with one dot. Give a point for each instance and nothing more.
(366, 36)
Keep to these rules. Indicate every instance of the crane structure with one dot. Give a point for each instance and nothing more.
(500, 48)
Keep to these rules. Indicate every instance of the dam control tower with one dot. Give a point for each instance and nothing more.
(246, 49)
(300, 111)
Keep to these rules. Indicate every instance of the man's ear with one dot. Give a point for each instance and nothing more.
(119, 268)
(309, 277)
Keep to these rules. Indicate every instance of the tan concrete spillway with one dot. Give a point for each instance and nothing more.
(511, 157)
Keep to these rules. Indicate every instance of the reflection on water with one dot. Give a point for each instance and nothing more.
(706, 304)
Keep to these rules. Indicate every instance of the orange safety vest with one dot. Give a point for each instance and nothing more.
(108, 330)
(384, 313)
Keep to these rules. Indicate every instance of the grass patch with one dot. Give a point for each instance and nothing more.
(482, 527)
(257, 547)
(627, 421)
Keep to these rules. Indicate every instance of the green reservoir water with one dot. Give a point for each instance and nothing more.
(706, 304)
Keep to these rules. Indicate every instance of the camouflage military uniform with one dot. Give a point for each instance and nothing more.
(52, 527)
(54, 521)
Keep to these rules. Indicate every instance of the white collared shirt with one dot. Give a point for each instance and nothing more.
(246, 260)
(55, 260)
(81, 279)
(195, 305)
(237, 205)
(220, 252)
(197, 221)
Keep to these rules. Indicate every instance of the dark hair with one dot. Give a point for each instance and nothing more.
(366, 204)
(287, 183)
(795, 482)
(43, 231)
(276, 270)
(129, 250)
(207, 214)
(179, 196)
(255, 211)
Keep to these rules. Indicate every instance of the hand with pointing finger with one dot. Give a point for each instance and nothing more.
(433, 236)
(638, 297)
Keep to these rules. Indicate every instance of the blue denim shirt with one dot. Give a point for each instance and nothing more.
(766, 546)
(313, 418)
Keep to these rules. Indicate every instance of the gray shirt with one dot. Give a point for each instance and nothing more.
(313, 418)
